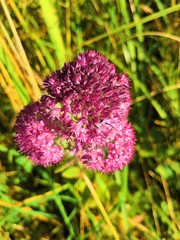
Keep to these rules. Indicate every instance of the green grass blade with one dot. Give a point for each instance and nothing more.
(54, 29)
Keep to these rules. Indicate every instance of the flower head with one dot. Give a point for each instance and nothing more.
(111, 148)
(83, 73)
(89, 105)
(36, 132)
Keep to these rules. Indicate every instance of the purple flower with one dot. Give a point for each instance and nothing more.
(36, 132)
(89, 107)
(110, 148)
(85, 73)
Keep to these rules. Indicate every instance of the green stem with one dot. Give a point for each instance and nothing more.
(124, 198)
(101, 207)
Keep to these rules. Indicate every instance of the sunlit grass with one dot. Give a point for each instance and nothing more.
(66, 201)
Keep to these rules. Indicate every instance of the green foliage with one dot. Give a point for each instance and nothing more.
(66, 201)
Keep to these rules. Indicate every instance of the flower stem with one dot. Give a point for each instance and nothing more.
(101, 207)
(123, 199)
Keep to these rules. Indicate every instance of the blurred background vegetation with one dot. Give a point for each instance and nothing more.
(67, 202)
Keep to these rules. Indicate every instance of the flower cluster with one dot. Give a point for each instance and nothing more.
(87, 108)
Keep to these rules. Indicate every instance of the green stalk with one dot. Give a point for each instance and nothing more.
(101, 207)
(123, 199)
(54, 29)
(58, 200)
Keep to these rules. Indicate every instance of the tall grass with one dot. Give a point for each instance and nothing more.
(66, 201)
